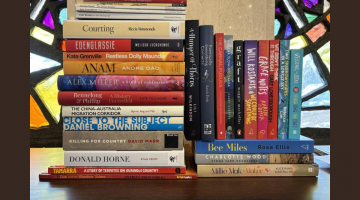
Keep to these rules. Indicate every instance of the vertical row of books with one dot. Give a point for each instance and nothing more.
(243, 106)
(122, 92)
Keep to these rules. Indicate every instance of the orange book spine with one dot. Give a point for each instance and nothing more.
(123, 68)
(124, 56)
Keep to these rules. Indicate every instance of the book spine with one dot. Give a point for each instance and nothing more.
(124, 158)
(283, 114)
(120, 83)
(120, 98)
(44, 176)
(122, 140)
(192, 92)
(129, 16)
(124, 56)
(123, 29)
(127, 4)
(144, 1)
(251, 90)
(263, 89)
(224, 159)
(229, 86)
(220, 87)
(260, 170)
(124, 45)
(123, 111)
(130, 11)
(207, 86)
(123, 124)
(134, 6)
(116, 170)
(296, 65)
(234, 146)
(273, 89)
(239, 89)
(123, 68)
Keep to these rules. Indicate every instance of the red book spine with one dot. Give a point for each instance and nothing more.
(45, 176)
(220, 89)
(98, 45)
(146, 1)
(121, 98)
(273, 89)
(116, 170)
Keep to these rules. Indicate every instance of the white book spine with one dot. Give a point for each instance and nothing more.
(132, 7)
(128, 16)
(131, 11)
(124, 158)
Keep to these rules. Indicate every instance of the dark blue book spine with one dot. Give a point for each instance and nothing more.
(207, 85)
(239, 88)
(76, 83)
(251, 146)
(192, 91)
(229, 86)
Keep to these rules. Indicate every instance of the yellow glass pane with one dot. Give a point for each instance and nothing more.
(37, 119)
(298, 42)
(48, 92)
(42, 35)
(324, 53)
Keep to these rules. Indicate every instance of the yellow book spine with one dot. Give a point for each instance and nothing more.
(123, 68)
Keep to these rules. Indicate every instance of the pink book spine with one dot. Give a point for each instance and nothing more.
(263, 89)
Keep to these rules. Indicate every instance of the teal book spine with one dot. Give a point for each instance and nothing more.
(296, 65)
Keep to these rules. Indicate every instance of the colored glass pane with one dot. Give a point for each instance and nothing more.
(328, 17)
(42, 35)
(322, 99)
(311, 80)
(38, 63)
(315, 119)
(310, 17)
(277, 27)
(289, 31)
(278, 10)
(324, 53)
(316, 32)
(310, 3)
(35, 12)
(326, 5)
(48, 20)
(298, 42)
(37, 119)
(62, 15)
(294, 13)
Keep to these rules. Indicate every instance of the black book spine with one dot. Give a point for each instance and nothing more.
(157, 45)
(239, 88)
(207, 85)
(192, 91)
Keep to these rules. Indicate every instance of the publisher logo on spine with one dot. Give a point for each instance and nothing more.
(207, 129)
(174, 29)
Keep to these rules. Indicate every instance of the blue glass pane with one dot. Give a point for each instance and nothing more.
(289, 31)
(277, 27)
(322, 99)
(63, 15)
(38, 63)
(315, 119)
(311, 77)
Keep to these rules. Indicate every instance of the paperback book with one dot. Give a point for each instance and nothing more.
(283, 114)
(273, 89)
(220, 87)
(229, 86)
(239, 89)
(61, 169)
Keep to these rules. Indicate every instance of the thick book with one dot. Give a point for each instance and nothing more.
(192, 92)
(130, 45)
(207, 85)
(143, 1)
(220, 87)
(263, 89)
(124, 56)
(120, 98)
(273, 89)
(130, 11)
(229, 86)
(123, 111)
(232, 146)
(61, 169)
(123, 123)
(123, 68)
(122, 140)
(120, 83)
(258, 170)
(239, 89)
(122, 29)
(133, 6)
(283, 114)
(296, 67)
(124, 158)
(250, 89)
(225, 159)
(129, 16)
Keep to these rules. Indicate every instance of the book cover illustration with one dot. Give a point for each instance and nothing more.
(283, 114)
(229, 86)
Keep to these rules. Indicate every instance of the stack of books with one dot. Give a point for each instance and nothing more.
(122, 97)
(244, 107)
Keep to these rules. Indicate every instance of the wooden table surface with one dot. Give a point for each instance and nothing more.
(203, 188)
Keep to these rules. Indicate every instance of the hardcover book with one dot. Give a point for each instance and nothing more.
(129, 16)
(123, 124)
(261, 170)
(187, 176)
(273, 89)
(120, 83)
(283, 114)
(239, 89)
(235, 146)
(122, 111)
(123, 140)
(250, 89)
(263, 89)
(124, 158)
(122, 29)
(192, 80)
(60, 169)
(113, 4)
(130, 11)
(229, 85)
(220, 87)
(142, 1)
(207, 86)
(296, 65)
(224, 159)
(123, 68)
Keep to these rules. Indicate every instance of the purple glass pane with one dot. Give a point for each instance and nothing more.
(289, 31)
(48, 20)
(310, 3)
(278, 10)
